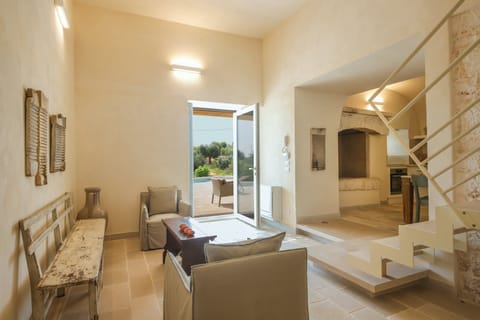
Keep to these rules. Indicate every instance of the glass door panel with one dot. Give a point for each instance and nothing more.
(245, 159)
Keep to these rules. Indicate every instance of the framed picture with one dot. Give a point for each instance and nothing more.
(317, 147)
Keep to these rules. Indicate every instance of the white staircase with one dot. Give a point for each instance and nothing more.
(447, 230)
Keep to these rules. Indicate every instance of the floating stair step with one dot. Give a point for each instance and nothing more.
(334, 258)
(392, 242)
(427, 226)
(363, 255)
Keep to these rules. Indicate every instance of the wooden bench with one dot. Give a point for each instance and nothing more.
(78, 248)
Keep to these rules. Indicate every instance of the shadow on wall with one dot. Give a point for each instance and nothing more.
(20, 295)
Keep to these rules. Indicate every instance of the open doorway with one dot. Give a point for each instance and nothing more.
(212, 159)
(224, 160)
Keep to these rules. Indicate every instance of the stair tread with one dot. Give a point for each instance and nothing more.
(363, 254)
(393, 242)
(427, 226)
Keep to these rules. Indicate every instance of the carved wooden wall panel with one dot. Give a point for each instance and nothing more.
(36, 135)
(58, 125)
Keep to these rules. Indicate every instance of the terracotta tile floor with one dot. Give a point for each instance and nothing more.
(133, 289)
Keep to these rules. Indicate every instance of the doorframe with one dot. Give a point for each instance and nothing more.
(197, 104)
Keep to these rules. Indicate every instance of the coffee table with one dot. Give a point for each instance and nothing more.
(191, 247)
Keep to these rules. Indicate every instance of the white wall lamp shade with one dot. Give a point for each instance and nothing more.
(186, 69)
(61, 13)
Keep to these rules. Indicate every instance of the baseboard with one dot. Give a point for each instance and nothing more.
(118, 236)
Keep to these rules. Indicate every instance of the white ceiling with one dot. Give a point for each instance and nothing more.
(251, 18)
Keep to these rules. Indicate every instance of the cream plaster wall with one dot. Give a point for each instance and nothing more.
(132, 111)
(377, 164)
(35, 52)
(323, 36)
(316, 189)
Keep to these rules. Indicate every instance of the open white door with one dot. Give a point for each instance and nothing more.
(245, 173)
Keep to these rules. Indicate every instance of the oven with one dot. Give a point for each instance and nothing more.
(396, 179)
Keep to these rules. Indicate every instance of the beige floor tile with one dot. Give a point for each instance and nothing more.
(382, 304)
(115, 297)
(408, 298)
(158, 286)
(157, 272)
(154, 257)
(135, 255)
(444, 296)
(315, 295)
(114, 245)
(114, 262)
(137, 267)
(120, 314)
(146, 308)
(115, 276)
(439, 313)
(367, 314)
(342, 299)
(141, 286)
(410, 314)
(132, 244)
(327, 310)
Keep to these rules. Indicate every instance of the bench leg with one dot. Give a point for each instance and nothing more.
(92, 300)
(38, 306)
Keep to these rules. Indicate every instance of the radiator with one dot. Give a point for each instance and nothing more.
(271, 202)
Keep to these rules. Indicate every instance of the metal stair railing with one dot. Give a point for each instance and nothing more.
(411, 151)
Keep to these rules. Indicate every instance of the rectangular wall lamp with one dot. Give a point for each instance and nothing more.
(186, 69)
(61, 13)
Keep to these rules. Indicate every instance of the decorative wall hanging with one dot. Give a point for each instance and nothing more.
(36, 135)
(58, 125)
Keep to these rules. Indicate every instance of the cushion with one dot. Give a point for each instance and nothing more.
(158, 218)
(163, 200)
(217, 252)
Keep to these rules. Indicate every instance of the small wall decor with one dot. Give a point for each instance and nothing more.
(317, 137)
(36, 135)
(58, 125)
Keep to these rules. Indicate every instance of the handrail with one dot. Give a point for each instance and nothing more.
(471, 176)
(416, 50)
(446, 124)
(448, 145)
(455, 163)
(437, 79)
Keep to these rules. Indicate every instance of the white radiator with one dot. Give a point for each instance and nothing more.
(271, 202)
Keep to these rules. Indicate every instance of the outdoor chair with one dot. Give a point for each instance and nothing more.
(221, 188)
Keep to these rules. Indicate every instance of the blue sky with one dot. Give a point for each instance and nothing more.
(207, 129)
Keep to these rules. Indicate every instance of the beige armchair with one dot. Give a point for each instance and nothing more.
(221, 188)
(166, 203)
(269, 286)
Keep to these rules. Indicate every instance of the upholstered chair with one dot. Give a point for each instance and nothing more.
(156, 205)
(221, 188)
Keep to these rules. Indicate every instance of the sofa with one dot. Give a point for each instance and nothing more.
(156, 205)
(221, 188)
(267, 286)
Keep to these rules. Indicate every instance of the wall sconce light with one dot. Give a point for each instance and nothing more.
(61, 13)
(186, 69)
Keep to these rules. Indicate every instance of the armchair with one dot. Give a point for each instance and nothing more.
(268, 286)
(221, 188)
(167, 202)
